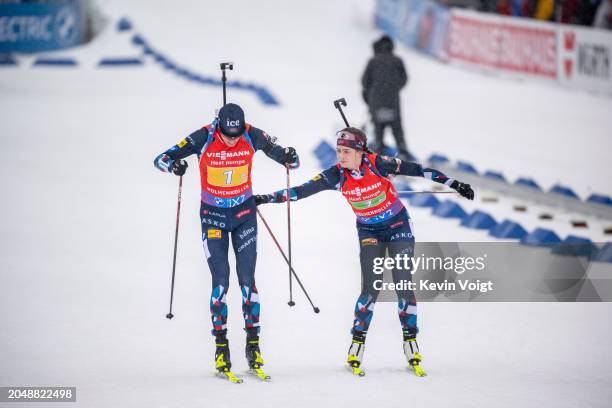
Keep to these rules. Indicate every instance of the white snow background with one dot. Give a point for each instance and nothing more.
(87, 223)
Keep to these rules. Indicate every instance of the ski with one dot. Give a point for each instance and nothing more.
(418, 371)
(259, 373)
(356, 371)
(226, 374)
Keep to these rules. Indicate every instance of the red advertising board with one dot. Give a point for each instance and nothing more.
(509, 44)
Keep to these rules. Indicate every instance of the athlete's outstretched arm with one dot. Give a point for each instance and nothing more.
(393, 165)
(264, 142)
(326, 180)
(192, 144)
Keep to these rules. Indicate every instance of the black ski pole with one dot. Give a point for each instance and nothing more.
(314, 308)
(291, 303)
(224, 66)
(425, 192)
(339, 103)
(178, 214)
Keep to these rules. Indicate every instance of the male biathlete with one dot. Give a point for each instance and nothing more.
(383, 225)
(225, 150)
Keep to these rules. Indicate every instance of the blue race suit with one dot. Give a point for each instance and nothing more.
(227, 208)
(376, 234)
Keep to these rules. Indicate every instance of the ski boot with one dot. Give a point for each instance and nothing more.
(223, 364)
(355, 353)
(411, 350)
(253, 354)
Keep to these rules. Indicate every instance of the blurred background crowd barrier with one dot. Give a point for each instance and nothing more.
(569, 54)
(43, 25)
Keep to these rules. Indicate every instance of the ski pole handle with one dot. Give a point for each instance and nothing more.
(338, 104)
(224, 66)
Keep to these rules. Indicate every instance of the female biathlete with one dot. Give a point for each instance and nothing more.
(382, 224)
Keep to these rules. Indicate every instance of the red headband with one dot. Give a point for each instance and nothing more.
(347, 139)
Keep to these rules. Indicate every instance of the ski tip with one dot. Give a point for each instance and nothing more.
(356, 371)
(229, 376)
(259, 373)
(419, 372)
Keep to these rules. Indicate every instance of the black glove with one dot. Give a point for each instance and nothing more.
(262, 199)
(464, 190)
(179, 167)
(291, 156)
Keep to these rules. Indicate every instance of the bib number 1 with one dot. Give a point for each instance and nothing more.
(228, 176)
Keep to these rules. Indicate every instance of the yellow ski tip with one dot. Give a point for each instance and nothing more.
(419, 371)
(228, 375)
(258, 372)
(355, 370)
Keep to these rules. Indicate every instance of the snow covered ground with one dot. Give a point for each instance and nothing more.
(87, 222)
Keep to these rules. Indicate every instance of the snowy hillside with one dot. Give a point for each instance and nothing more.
(87, 222)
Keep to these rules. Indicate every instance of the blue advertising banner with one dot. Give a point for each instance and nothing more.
(31, 27)
(420, 24)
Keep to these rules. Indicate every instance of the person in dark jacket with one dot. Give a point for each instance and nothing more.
(382, 80)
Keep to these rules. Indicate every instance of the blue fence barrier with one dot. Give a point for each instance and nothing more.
(566, 191)
(264, 95)
(573, 245)
(496, 175)
(600, 199)
(449, 209)
(479, 220)
(114, 62)
(541, 237)
(423, 200)
(467, 167)
(604, 254)
(55, 62)
(527, 182)
(508, 230)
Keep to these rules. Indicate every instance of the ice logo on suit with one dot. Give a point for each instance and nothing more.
(232, 123)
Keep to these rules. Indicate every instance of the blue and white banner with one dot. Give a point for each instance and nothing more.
(420, 24)
(32, 27)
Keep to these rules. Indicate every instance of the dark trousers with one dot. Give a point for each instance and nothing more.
(239, 224)
(389, 117)
(391, 238)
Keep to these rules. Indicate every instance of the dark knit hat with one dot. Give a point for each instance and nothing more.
(231, 120)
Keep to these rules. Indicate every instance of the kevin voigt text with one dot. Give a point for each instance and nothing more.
(427, 285)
